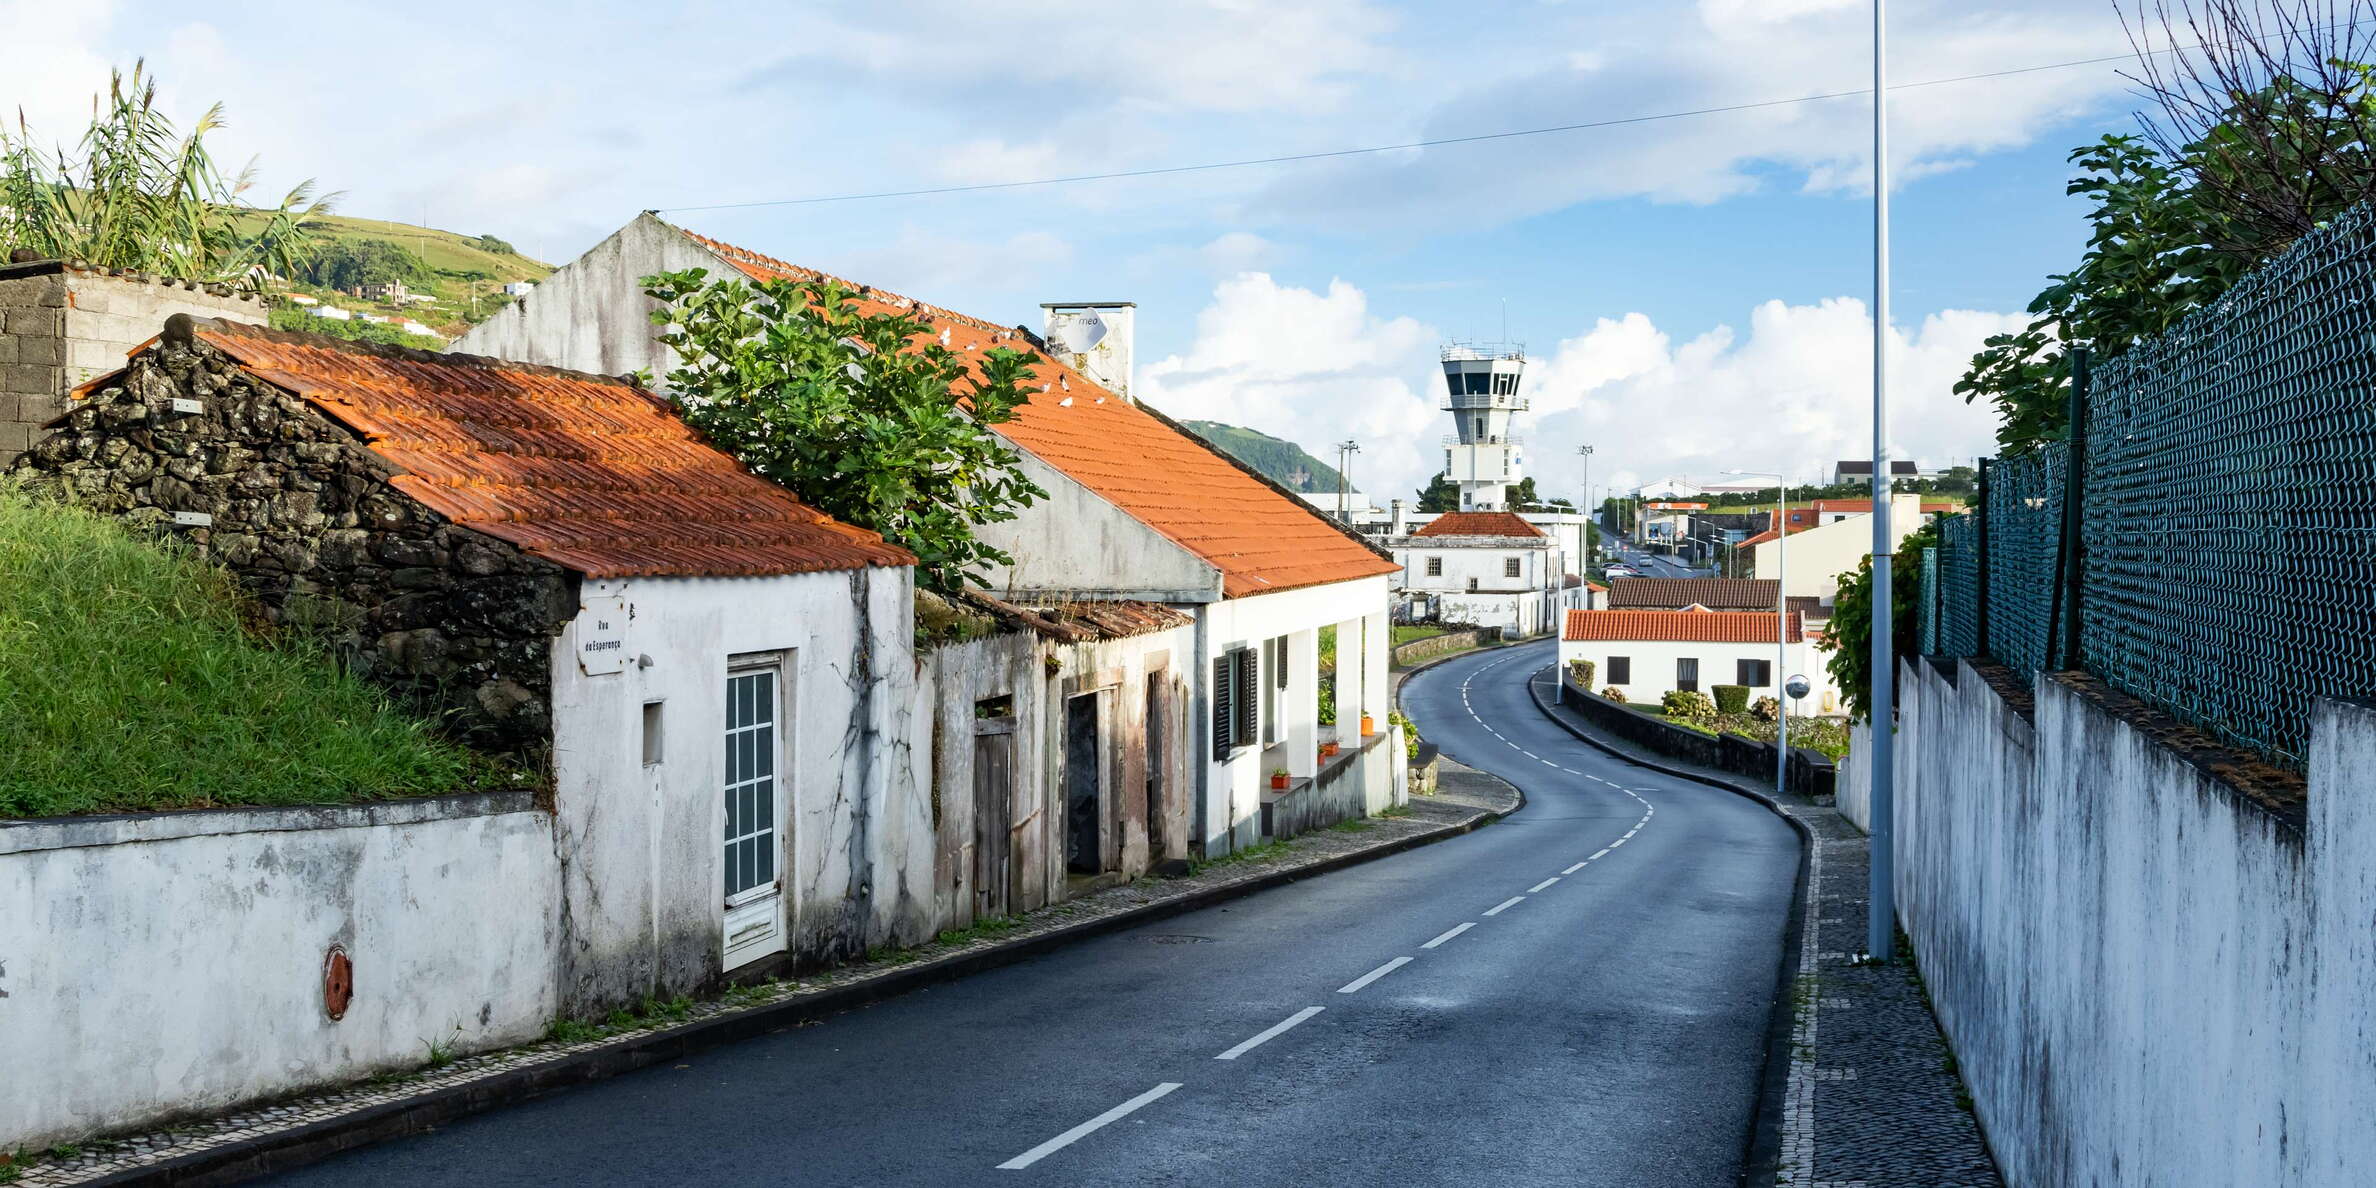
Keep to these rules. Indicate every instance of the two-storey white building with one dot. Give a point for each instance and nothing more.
(1484, 568)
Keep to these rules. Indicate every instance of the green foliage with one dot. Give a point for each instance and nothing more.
(135, 194)
(1410, 734)
(1580, 672)
(131, 680)
(2173, 227)
(351, 264)
(493, 246)
(289, 317)
(1277, 459)
(1851, 626)
(1730, 699)
(858, 413)
(1440, 494)
(1765, 709)
(1688, 705)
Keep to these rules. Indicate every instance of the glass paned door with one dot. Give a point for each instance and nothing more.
(753, 897)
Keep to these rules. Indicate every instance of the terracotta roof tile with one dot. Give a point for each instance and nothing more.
(1260, 538)
(1676, 626)
(1677, 593)
(1478, 523)
(588, 472)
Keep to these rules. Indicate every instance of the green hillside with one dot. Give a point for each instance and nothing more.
(1281, 461)
(465, 274)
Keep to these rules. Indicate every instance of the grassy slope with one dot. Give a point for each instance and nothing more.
(1277, 458)
(445, 251)
(128, 682)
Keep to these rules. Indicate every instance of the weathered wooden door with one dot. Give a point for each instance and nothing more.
(994, 818)
(1084, 847)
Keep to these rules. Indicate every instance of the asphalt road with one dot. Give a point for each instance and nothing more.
(1577, 995)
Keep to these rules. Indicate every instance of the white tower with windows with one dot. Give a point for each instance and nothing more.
(1483, 457)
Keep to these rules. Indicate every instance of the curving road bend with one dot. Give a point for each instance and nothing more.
(1577, 995)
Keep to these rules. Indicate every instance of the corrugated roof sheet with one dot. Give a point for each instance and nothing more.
(1676, 626)
(1478, 523)
(588, 472)
(1677, 593)
(1261, 539)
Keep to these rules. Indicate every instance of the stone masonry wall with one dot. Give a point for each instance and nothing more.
(61, 327)
(456, 622)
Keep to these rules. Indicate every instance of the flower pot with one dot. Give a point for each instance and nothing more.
(1368, 726)
(1278, 783)
(1329, 750)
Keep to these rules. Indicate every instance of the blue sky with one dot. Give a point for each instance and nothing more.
(1693, 289)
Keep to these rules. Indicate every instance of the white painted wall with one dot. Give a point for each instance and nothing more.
(1654, 667)
(643, 893)
(1232, 789)
(167, 964)
(1076, 545)
(591, 314)
(2147, 979)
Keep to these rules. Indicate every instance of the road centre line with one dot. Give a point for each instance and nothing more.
(1576, 867)
(1373, 975)
(1505, 905)
(1449, 933)
(1539, 886)
(1268, 1034)
(1042, 1151)
(1598, 855)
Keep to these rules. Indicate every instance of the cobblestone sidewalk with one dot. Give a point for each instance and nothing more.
(1463, 799)
(1873, 1097)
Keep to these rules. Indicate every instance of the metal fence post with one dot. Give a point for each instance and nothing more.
(1980, 585)
(2062, 623)
(1930, 601)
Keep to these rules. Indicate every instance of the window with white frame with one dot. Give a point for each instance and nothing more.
(1435, 567)
(1510, 566)
(752, 701)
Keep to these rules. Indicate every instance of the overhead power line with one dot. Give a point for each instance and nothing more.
(1437, 142)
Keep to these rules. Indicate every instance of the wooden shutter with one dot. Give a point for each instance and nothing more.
(1224, 704)
(1248, 698)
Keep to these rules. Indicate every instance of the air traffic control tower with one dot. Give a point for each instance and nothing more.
(1483, 458)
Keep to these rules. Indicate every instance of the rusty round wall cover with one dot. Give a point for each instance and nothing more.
(338, 982)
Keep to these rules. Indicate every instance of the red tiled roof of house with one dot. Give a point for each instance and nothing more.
(1701, 626)
(1677, 593)
(1478, 523)
(1260, 538)
(1811, 516)
(591, 473)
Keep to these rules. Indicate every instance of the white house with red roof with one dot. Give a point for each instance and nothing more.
(1138, 510)
(1645, 654)
(1483, 569)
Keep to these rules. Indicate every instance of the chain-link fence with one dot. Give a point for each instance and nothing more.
(2218, 551)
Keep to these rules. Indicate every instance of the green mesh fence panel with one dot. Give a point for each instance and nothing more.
(2229, 518)
(2024, 531)
(1930, 601)
(1959, 584)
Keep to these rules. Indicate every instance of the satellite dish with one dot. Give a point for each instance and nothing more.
(1081, 332)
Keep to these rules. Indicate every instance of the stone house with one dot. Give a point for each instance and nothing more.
(1139, 510)
(1485, 569)
(555, 566)
(62, 323)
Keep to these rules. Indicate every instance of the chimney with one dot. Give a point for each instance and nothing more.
(1398, 526)
(1099, 339)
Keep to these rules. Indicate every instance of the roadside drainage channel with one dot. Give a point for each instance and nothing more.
(291, 1133)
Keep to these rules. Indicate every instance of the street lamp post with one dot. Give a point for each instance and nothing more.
(1586, 452)
(1781, 625)
(1881, 886)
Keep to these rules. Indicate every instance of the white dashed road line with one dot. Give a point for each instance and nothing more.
(1449, 933)
(1268, 1034)
(1069, 1137)
(1538, 887)
(1373, 975)
(1505, 905)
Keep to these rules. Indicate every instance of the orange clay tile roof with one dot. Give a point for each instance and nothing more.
(1478, 523)
(1676, 626)
(590, 473)
(1677, 593)
(1260, 538)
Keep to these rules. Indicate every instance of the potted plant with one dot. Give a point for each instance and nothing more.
(1328, 750)
(1368, 726)
(1278, 779)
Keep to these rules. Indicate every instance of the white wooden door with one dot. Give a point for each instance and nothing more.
(754, 883)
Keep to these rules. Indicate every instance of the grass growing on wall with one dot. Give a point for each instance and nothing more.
(130, 680)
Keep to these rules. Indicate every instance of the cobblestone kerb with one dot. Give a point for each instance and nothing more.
(298, 1131)
(1860, 1087)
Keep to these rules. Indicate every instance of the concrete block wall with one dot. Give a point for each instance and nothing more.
(61, 326)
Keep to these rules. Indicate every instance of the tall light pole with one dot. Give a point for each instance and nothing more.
(1781, 627)
(1881, 918)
